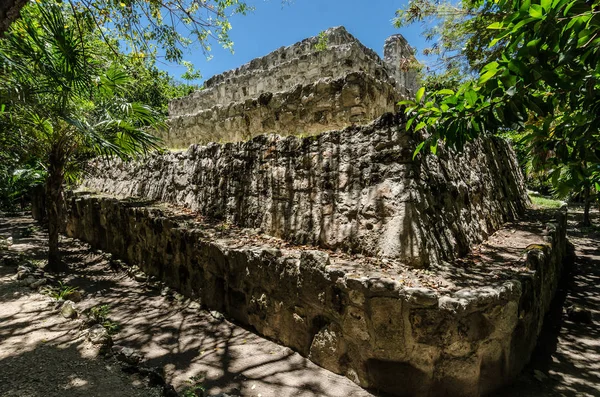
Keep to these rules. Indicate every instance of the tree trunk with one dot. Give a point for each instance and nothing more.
(9, 12)
(54, 204)
(586, 206)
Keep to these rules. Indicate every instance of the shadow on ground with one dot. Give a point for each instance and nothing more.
(192, 346)
(566, 361)
(40, 356)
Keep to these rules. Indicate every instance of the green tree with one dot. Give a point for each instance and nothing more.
(154, 87)
(152, 28)
(546, 83)
(63, 102)
(457, 31)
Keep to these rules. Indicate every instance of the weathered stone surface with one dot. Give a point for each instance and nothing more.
(399, 58)
(287, 67)
(98, 335)
(38, 283)
(74, 296)
(306, 109)
(127, 355)
(345, 315)
(68, 310)
(357, 190)
(296, 90)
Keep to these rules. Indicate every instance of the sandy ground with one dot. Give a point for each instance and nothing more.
(40, 355)
(567, 359)
(37, 347)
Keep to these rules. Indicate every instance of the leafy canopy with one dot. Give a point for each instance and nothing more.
(64, 101)
(60, 93)
(161, 29)
(546, 81)
(458, 34)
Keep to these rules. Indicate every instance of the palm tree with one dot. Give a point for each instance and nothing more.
(63, 98)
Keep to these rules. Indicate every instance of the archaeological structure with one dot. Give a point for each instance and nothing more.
(302, 89)
(398, 272)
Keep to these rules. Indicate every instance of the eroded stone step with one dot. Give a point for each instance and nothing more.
(384, 325)
(357, 190)
(305, 109)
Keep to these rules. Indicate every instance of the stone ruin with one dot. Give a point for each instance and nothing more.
(297, 90)
(397, 272)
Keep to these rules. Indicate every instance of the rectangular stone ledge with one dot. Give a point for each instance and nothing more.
(375, 321)
(303, 109)
(307, 69)
(357, 190)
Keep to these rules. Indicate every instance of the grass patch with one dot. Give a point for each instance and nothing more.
(99, 314)
(544, 202)
(194, 387)
(63, 291)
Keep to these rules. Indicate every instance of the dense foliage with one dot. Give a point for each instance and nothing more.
(458, 35)
(545, 83)
(64, 101)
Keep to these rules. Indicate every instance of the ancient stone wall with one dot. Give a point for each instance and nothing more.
(399, 58)
(381, 326)
(298, 89)
(357, 190)
(282, 70)
(306, 110)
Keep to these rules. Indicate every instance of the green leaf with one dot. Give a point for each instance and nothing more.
(496, 26)
(419, 94)
(418, 149)
(518, 67)
(433, 147)
(420, 126)
(471, 97)
(486, 76)
(536, 11)
(445, 92)
(509, 80)
(546, 4)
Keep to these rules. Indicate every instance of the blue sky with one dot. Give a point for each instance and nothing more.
(274, 24)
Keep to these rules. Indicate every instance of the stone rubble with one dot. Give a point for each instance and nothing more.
(68, 310)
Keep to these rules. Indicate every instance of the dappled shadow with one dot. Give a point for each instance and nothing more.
(174, 335)
(187, 342)
(501, 256)
(52, 370)
(567, 355)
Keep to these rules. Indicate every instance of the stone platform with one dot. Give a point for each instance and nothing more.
(303, 89)
(358, 190)
(461, 328)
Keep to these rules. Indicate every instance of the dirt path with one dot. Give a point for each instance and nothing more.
(191, 345)
(39, 355)
(567, 359)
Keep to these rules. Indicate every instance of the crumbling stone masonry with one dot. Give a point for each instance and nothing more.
(341, 245)
(386, 327)
(296, 90)
(458, 328)
(356, 190)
